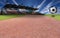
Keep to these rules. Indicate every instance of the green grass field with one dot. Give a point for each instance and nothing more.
(4, 17)
(57, 16)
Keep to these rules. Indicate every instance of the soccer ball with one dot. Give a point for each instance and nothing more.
(53, 10)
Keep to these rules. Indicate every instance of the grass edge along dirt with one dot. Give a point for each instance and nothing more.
(57, 16)
(5, 17)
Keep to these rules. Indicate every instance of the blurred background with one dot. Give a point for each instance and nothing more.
(42, 5)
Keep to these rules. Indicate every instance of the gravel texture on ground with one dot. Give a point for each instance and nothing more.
(30, 26)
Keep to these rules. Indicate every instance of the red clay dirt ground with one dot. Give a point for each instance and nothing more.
(30, 27)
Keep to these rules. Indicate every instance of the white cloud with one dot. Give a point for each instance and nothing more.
(15, 2)
(39, 6)
(46, 9)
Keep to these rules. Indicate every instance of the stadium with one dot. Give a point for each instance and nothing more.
(9, 8)
(29, 18)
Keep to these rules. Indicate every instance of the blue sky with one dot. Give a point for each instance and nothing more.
(43, 5)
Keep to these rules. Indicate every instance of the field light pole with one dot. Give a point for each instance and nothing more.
(53, 10)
